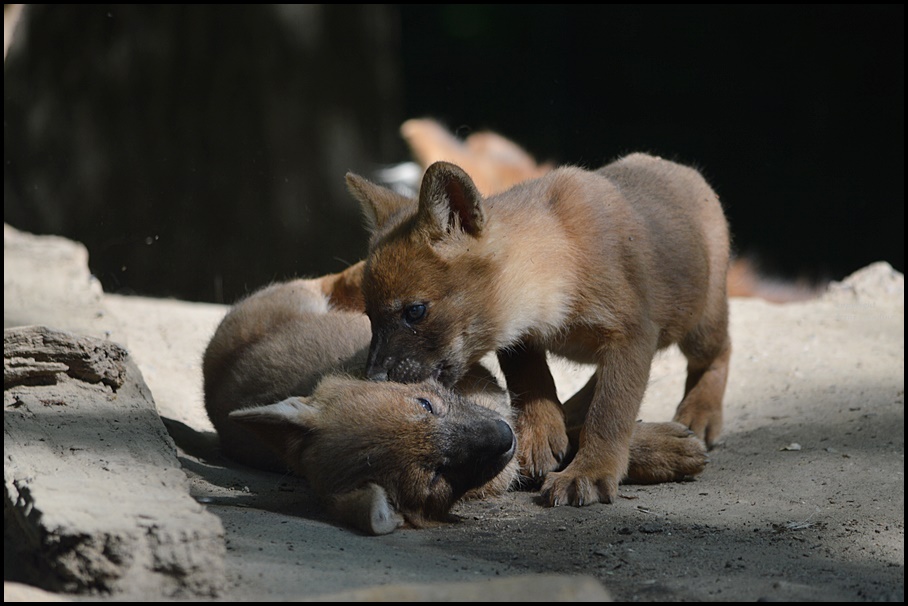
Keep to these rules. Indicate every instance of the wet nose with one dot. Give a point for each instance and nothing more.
(503, 438)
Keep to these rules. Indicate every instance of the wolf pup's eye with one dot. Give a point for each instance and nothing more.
(426, 405)
(414, 313)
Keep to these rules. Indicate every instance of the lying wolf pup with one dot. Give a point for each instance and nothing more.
(603, 267)
(280, 390)
(281, 364)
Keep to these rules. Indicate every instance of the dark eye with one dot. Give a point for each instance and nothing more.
(414, 313)
(425, 404)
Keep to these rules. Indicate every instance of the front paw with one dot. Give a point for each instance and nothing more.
(575, 488)
(542, 438)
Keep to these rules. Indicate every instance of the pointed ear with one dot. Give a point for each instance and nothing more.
(367, 509)
(276, 424)
(299, 412)
(379, 203)
(449, 202)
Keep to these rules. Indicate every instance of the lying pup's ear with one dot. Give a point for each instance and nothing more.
(280, 425)
(275, 424)
(367, 509)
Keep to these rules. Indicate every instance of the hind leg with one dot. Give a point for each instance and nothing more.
(708, 350)
(660, 452)
(664, 452)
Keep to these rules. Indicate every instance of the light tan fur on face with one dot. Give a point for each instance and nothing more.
(605, 267)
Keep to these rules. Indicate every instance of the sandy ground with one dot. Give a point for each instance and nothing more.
(803, 499)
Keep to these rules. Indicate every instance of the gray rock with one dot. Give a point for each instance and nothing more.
(94, 497)
(17, 592)
(46, 280)
(877, 284)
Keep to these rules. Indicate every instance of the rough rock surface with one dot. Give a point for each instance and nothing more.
(87, 464)
(46, 280)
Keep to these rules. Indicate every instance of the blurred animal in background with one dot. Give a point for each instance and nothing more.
(746, 280)
(496, 163)
(11, 14)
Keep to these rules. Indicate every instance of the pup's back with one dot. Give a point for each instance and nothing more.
(278, 342)
(688, 237)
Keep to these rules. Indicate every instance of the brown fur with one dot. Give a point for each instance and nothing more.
(281, 391)
(370, 451)
(604, 267)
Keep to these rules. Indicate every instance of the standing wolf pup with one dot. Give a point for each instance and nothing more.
(603, 267)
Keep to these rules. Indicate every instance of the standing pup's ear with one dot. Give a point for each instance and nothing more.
(367, 509)
(379, 203)
(449, 202)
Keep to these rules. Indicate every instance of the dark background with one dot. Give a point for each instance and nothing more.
(199, 151)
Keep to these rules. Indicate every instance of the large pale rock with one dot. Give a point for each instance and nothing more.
(877, 285)
(46, 281)
(94, 497)
(18, 592)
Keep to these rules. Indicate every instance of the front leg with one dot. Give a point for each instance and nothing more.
(542, 442)
(604, 447)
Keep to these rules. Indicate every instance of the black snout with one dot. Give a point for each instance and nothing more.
(480, 452)
(493, 440)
